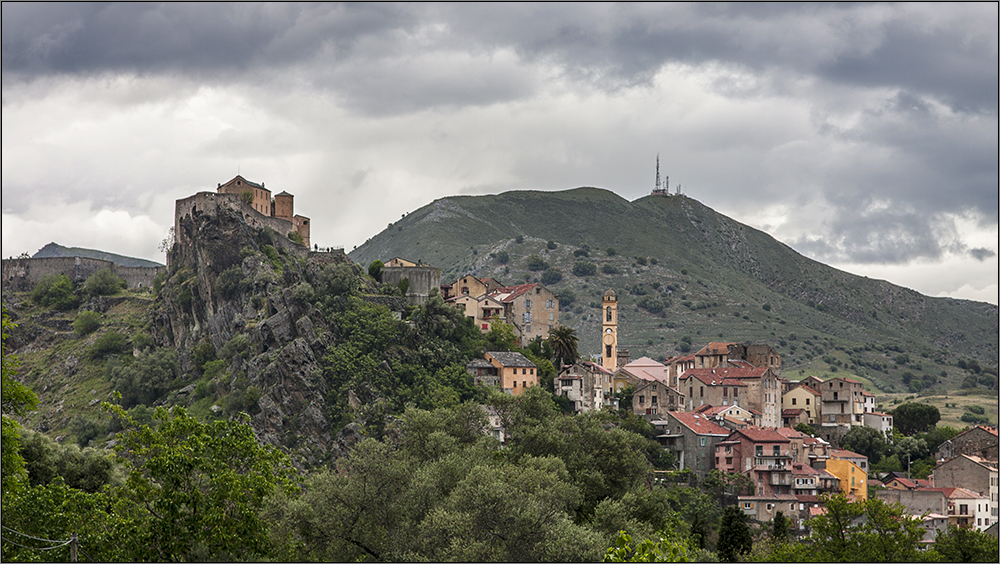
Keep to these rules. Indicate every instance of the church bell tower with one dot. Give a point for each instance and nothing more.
(609, 333)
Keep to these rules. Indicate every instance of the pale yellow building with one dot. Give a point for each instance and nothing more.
(806, 399)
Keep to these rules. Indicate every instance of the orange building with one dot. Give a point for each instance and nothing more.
(516, 372)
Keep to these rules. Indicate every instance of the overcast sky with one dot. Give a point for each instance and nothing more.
(864, 136)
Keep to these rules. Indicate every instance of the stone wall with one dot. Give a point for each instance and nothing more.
(212, 203)
(977, 441)
(21, 275)
(423, 279)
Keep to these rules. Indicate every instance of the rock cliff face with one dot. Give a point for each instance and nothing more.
(232, 286)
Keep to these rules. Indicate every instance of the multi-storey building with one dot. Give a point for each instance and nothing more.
(692, 439)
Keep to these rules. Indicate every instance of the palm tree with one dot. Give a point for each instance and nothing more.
(563, 341)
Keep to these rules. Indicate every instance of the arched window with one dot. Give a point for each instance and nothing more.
(609, 313)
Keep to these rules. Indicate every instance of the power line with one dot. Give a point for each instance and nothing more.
(36, 547)
(29, 536)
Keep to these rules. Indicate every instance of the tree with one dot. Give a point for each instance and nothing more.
(86, 323)
(375, 270)
(832, 535)
(867, 441)
(55, 291)
(966, 544)
(198, 488)
(103, 282)
(779, 527)
(535, 263)
(806, 429)
(735, 539)
(18, 400)
(667, 548)
(584, 268)
(912, 417)
(563, 341)
(551, 276)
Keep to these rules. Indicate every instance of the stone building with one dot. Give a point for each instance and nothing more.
(973, 473)
(281, 206)
(692, 439)
(978, 441)
(586, 384)
(23, 274)
(532, 309)
(515, 371)
(422, 280)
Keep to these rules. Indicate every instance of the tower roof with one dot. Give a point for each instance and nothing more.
(609, 294)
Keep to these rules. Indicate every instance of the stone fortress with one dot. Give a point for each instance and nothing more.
(251, 200)
(254, 202)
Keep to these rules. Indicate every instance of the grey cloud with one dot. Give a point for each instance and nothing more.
(611, 46)
(981, 253)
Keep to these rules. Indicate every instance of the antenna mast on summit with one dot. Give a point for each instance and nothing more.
(657, 171)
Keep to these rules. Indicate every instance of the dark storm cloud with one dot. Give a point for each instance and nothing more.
(981, 253)
(202, 38)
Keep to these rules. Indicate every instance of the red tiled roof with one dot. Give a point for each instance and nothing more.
(788, 431)
(810, 390)
(791, 413)
(758, 435)
(512, 292)
(715, 376)
(841, 453)
(698, 424)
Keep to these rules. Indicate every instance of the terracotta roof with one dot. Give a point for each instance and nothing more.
(808, 389)
(510, 293)
(841, 453)
(740, 363)
(699, 424)
(758, 435)
(512, 359)
(908, 484)
(677, 359)
(867, 393)
(788, 431)
(955, 493)
(791, 412)
(715, 376)
(799, 469)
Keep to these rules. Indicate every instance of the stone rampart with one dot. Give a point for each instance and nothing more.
(21, 275)
(423, 279)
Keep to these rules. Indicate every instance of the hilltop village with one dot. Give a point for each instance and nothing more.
(412, 409)
(728, 407)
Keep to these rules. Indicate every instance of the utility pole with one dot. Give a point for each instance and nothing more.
(72, 547)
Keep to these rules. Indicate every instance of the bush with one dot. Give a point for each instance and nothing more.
(375, 270)
(651, 304)
(551, 245)
(641, 261)
(977, 409)
(584, 268)
(581, 253)
(974, 419)
(536, 263)
(202, 353)
(609, 269)
(107, 344)
(55, 291)
(519, 239)
(766, 307)
(566, 298)
(551, 276)
(86, 323)
(228, 282)
(611, 251)
(103, 282)
(502, 257)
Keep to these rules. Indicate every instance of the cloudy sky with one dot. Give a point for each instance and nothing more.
(864, 136)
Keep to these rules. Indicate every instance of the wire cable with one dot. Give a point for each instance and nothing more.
(36, 547)
(29, 536)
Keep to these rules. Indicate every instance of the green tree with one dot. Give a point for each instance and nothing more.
(110, 343)
(805, 428)
(55, 291)
(103, 282)
(867, 441)
(735, 539)
(584, 268)
(667, 548)
(966, 544)
(198, 488)
(17, 400)
(375, 270)
(86, 322)
(535, 263)
(779, 527)
(563, 341)
(551, 276)
(912, 417)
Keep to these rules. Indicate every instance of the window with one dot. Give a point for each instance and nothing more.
(807, 401)
(607, 351)
(515, 383)
(793, 401)
(760, 450)
(609, 313)
(777, 450)
(524, 383)
(701, 441)
(747, 505)
(642, 399)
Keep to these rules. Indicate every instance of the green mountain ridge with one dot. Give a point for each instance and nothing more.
(53, 249)
(729, 281)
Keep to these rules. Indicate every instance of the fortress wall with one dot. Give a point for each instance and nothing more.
(211, 203)
(21, 275)
(423, 279)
